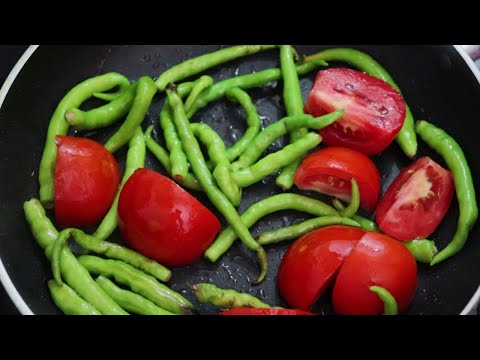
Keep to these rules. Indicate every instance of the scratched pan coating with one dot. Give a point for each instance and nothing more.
(436, 81)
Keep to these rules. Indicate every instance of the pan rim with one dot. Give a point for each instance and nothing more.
(7, 282)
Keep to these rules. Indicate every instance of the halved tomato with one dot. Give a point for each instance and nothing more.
(374, 110)
(330, 170)
(311, 263)
(376, 260)
(263, 312)
(417, 201)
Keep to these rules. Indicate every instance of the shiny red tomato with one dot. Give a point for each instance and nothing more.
(311, 263)
(162, 221)
(271, 311)
(422, 191)
(374, 110)
(376, 260)
(330, 170)
(86, 181)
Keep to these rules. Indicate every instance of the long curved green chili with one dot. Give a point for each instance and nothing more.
(129, 301)
(226, 298)
(292, 97)
(140, 283)
(204, 62)
(68, 300)
(146, 90)
(102, 116)
(58, 126)
(75, 275)
(205, 177)
(218, 90)
(204, 82)
(352, 208)
(135, 160)
(253, 122)
(110, 250)
(161, 154)
(263, 208)
(389, 303)
(453, 155)
(278, 129)
(406, 138)
(298, 230)
(272, 162)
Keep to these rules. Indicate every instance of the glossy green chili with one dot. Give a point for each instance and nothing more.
(68, 300)
(226, 298)
(389, 303)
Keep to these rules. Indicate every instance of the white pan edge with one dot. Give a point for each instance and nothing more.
(10, 288)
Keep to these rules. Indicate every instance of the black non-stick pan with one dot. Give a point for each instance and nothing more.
(440, 83)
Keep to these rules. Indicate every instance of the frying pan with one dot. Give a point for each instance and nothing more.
(440, 83)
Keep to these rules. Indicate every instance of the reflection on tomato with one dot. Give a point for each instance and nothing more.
(422, 191)
(330, 170)
(374, 110)
(86, 181)
(162, 221)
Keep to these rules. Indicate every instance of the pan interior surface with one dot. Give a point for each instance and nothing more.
(436, 81)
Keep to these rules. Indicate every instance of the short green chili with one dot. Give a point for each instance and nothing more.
(423, 250)
(68, 300)
(454, 157)
(263, 208)
(406, 139)
(58, 126)
(226, 298)
(366, 224)
(389, 302)
(146, 90)
(204, 62)
(352, 208)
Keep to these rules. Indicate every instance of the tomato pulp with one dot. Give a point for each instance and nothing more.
(374, 110)
(162, 221)
(87, 177)
(330, 171)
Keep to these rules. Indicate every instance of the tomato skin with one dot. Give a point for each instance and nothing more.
(86, 181)
(374, 110)
(162, 221)
(263, 312)
(311, 263)
(422, 191)
(338, 165)
(376, 260)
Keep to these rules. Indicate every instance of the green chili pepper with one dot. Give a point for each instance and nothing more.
(366, 224)
(135, 160)
(58, 126)
(199, 86)
(201, 63)
(204, 176)
(74, 274)
(102, 116)
(68, 300)
(297, 231)
(390, 304)
(352, 208)
(406, 138)
(263, 208)
(146, 90)
(454, 157)
(110, 250)
(130, 301)
(423, 250)
(226, 298)
(140, 283)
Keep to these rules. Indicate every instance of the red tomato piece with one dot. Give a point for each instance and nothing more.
(374, 110)
(422, 191)
(330, 170)
(311, 263)
(376, 260)
(162, 221)
(271, 311)
(86, 181)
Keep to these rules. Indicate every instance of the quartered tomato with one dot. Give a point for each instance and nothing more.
(330, 170)
(270, 311)
(376, 260)
(162, 221)
(374, 110)
(86, 181)
(417, 201)
(311, 263)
